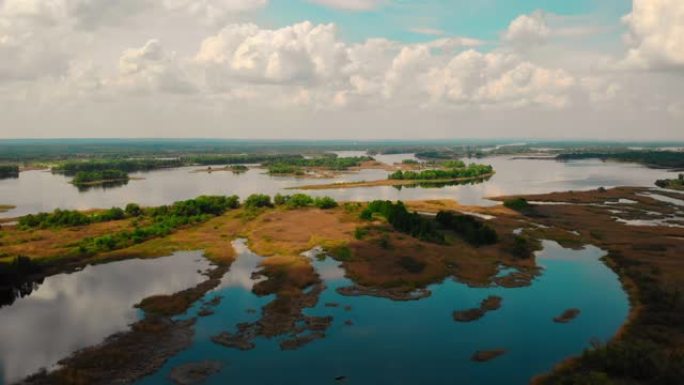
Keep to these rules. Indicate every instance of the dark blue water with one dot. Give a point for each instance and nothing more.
(418, 342)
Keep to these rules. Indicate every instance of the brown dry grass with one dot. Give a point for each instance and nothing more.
(292, 232)
(52, 243)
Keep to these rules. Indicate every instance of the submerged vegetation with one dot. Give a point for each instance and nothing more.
(455, 171)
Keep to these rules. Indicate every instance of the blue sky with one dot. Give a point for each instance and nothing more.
(483, 19)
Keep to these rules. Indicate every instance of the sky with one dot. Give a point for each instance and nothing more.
(342, 69)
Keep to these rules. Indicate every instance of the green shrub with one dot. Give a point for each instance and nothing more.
(325, 203)
(133, 210)
(516, 204)
(258, 201)
(299, 201)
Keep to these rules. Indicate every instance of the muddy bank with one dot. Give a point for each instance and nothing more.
(567, 316)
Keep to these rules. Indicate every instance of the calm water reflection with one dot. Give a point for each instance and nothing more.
(71, 311)
(418, 342)
(42, 191)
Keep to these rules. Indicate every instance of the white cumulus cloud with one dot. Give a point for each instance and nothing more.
(656, 34)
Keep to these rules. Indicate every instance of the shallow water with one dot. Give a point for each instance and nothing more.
(418, 342)
(71, 311)
(36, 191)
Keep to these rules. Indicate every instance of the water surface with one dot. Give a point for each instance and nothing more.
(418, 342)
(72, 311)
(36, 191)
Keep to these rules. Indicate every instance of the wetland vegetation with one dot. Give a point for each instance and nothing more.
(388, 250)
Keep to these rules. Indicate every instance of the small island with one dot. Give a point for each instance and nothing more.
(449, 172)
(95, 178)
(312, 166)
(673, 184)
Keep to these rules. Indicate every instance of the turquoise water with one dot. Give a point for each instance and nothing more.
(418, 342)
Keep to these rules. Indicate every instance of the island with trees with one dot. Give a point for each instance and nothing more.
(445, 173)
(94, 178)
(673, 184)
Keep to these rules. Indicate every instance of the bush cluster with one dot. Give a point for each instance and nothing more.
(302, 200)
(517, 204)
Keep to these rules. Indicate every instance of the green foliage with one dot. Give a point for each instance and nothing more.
(410, 161)
(404, 221)
(666, 159)
(113, 214)
(257, 201)
(522, 247)
(468, 227)
(124, 165)
(516, 204)
(360, 233)
(473, 170)
(9, 171)
(88, 177)
(203, 205)
(453, 164)
(327, 162)
(340, 253)
(58, 218)
(302, 200)
(325, 203)
(298, 201)
(280, 199)
(164, 220)
(238, 168)
(133, 210)
(238, 159)
(284, 169)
